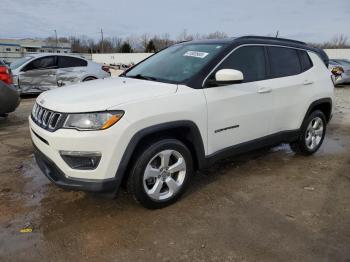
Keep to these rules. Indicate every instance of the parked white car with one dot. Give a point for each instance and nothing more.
(181, 110)
(41, 72)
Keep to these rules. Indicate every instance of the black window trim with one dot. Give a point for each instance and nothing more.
(266, 59)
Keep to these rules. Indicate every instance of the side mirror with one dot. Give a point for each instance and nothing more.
(228, 76)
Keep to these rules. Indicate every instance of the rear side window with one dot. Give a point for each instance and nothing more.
(66, 61)
(283, 62)
(305, 60)
(250, 60)
(47, 62)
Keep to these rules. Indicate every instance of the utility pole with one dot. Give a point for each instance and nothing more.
(56, 39)
(101, 40)
(277, 33)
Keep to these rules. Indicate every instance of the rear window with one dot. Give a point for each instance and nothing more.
(66, 61)
(305, 60)
(283, 62)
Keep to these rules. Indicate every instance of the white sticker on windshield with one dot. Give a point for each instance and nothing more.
(196, 54)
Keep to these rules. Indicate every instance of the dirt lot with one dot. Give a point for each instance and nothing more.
(267, 206)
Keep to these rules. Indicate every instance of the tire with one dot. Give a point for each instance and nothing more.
(89, 78)
(312, 134)
(151, 181)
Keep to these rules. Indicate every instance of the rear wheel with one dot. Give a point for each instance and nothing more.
(161, 173)
(312, 134)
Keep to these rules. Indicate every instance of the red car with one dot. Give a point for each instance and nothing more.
(9, 97)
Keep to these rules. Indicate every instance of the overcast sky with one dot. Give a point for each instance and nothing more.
(308, 20)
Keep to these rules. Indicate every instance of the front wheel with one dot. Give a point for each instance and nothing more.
(312, 134)
(89, 78)
(161, 173)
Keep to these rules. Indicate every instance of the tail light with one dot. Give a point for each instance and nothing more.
(5, 75)
(106, 69)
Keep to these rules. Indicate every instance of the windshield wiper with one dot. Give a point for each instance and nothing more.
(139, 76)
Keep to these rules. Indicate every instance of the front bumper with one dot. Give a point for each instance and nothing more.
(110, 143)
(55, 175)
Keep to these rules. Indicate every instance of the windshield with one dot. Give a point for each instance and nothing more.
(19, 62)
(177, 63)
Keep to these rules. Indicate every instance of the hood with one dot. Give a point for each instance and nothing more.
(102, 94)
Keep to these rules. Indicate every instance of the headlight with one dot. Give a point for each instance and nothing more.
(93, 121)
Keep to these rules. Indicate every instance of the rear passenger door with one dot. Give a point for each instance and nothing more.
(290, 80)
(70, 70)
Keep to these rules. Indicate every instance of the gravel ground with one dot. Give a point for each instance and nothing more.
(270, 205)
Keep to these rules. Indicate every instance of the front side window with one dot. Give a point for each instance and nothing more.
(47, 62)
(250, 60)
(176, 64)
(66, 61)
(283, 61)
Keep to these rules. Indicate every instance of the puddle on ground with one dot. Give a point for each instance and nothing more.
(283, 148)
(37, 184)
(332, 146)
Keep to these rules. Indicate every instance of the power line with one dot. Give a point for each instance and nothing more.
(101, 40)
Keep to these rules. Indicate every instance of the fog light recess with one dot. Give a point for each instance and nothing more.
(81, 160)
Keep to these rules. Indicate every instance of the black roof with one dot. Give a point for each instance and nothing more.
(250, 39)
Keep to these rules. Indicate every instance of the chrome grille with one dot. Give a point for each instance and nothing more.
(45, 118)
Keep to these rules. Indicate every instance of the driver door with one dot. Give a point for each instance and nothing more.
(240, 112)
(39, 75)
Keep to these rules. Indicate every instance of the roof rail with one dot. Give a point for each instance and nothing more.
(272, 38)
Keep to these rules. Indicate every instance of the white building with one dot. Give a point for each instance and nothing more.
(12, 49)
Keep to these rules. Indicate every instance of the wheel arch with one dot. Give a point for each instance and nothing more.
(186, 131)
(89, 76)
(324, 105)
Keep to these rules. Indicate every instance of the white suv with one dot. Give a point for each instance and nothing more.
(179, 111)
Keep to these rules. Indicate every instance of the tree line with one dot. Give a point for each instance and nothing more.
(152, 43)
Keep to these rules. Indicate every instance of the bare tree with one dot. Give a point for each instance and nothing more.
(216, 35)
(144, 40)
(117, 43)
(161, 42)
(339, 41)
(184, 36)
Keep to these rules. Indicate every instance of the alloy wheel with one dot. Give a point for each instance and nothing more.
(164, 175)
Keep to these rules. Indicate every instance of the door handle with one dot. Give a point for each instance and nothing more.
(264, 89)
(308, 82)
